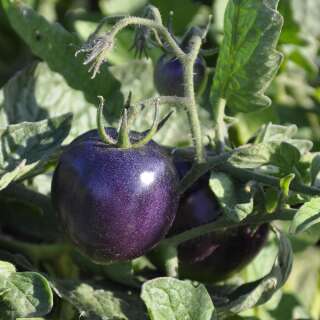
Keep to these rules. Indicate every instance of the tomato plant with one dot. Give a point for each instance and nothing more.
(94, 221)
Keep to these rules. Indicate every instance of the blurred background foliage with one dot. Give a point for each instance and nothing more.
(295, 93)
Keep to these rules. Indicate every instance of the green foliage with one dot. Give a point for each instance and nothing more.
(169, 298)
(248, 59)
(236, 202)
(37, 93)
(27, 146)
(23, 294)
(94, 302)
(268, 51)
(57, 46)
(307, 216)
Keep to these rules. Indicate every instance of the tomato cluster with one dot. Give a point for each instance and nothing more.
(118, 203)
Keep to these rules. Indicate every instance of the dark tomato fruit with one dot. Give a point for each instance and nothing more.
(217, 255)
(168, 76)
(114, 204)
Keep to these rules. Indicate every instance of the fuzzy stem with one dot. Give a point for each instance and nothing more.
(124, 139)
(189, 61)
(285, 215)
(101, 130)
(152, 25)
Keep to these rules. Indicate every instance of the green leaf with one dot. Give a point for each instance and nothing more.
(28, 145)
(170, 299)
(307, 216)
(23, 294)
(286, 157)
(253, 156)
(260, 291)
(285, 183)
(235, 201)
(248, 59)
(272, 196)
(55, 45)
(276, 133)
(98, 303)
(6, 268)
(274, 146)
(36, 93)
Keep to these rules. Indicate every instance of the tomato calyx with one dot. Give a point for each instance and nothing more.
(123, 141)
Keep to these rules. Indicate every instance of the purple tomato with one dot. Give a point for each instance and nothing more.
(168, 76)
(217, 255)
(114, 204)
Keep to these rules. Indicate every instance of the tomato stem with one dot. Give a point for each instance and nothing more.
(101, 130)
(97, 48)
(188, 63)
(222, 224)
(124, 139)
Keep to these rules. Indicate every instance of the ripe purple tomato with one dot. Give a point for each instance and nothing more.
(168, 76)
(114, 204)
(217, 255)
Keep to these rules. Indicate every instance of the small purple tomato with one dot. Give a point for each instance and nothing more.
(168, 76)
(114, 204)
(219, 254)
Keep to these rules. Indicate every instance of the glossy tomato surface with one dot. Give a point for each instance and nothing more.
(114, 204)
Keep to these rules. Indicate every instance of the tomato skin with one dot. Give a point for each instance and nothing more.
(218, 255)
(114, 204)
(168, 76)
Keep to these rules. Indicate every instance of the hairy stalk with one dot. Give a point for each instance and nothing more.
(97, 48)
(285, 215)
(101, 130)
(124, 139)
(189, 60)
(152, 25)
